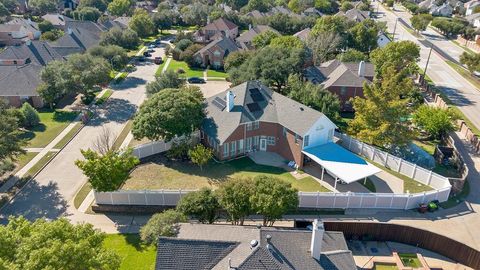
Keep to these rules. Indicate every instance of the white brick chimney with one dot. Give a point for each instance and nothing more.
(317, 239)
(361, 69)
(230, 101)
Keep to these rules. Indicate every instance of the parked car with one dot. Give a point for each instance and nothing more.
(158, 60)
(152, 45)
(146, 54)
(150, 50)
(195, 80)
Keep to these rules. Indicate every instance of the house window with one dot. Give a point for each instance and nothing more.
(296, 138)
(256, 125)
(270, 140)
(248, 145)
(217, 53)
(306, 140)
(240, 146)
(343, 91)
(284, 132)
(225, 149)
(233, 148)
(249, 126)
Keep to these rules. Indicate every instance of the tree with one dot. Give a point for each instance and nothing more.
(195, 14)
(183, 44)
(43, 6)
(346, 6)
(200, 155)
(127, 39)
(402, 56)
(471, 60)
(113, 54)
(57, 81)
(352, 55)
(435, 121)
(289, 42)
(45, 26)
(332, 24)
(202, 205)
(170, 113)
(188, 53)
(98, 4)
(4, 12)
(10, 142)
(421, 21)
(120, 7)
(270, 65)
(325, 6)
(56, 244)
(363, 36)
(449, 27)
(236, 59)
(263, 39)
(234, 196)
(86, 14)
(107, 172)
(272, 198)
(9, 4)
(298, 6)
(324, 46)
(142, 24)
(289, 24)
(164, 19)
(52, 35)
(260, 5)
(162, 224)
(168, 79)
(88, 71)
(30, 115)
(389, 3)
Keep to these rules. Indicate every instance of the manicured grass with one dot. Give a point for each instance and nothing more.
(69, 135)
(384, 266)
(465, 74)
(427, 146)
(163, 174)
(105, 95)
(160, 67)
(134, 254)
(39, 165)
(52, 124)
(82, 194)
(410, 260)
(368, 185)
(216, 74)
(123, 134)
(175, 65)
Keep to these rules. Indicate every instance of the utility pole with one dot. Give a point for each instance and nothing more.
(428, 60)
(395, 29)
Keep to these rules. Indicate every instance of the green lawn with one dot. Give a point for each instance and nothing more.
(105, 95)
(160, 67)
(82, 194)
(427, 146)
(175, 65)
(52, 124)
(216, 74)
(134, 254)
(384, 266)
(410, 260)
(344, 119)
(69, 135)
(39, 165)
(164, 174)
(123, 134)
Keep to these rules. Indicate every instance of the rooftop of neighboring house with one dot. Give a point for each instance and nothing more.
(19, 80)
(340, 74)
(472, 17)
(56, 19)
(121, 22)
(472, 3)
(220, 24)
(224, 43)
(202, 246)
(246, 37)
(355, 14)
(79, 37)
(38, 52)
(255, 14)
(303, 34)
(312, 10)
(30, 25)
(8, 28)
(253, 101)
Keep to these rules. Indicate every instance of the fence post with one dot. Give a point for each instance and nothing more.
(386, 160)
(335, 200)
(318, 195)
(391, 201)
(436, 194)
(424, 195)
(376, 200)
(300, 198)
(361, 148)
(414, 171)
(128, 196)
(111, 198)
(430, 178)
(163, 197)
(400, 165)
(408, 200)
(153, 151)
(361, 200)
(348, 199)
(146, 199)
(350, 143)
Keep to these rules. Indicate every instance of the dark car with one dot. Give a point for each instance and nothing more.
(195, 80)
(146, 54)
(158, 60)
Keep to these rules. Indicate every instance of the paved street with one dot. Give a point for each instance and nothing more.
(49, 194)
(459, 90)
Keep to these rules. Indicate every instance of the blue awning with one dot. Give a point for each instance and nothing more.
(340, 162)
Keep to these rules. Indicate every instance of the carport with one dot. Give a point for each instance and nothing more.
(340, 163)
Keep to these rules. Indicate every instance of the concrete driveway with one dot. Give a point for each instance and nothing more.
(211, 88)
(52, 190)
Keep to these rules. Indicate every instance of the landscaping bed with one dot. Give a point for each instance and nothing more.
(158, 172)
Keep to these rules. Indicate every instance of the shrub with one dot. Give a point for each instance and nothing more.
(389, 3)
(183, 44)
(30, 115)
(202, 204)
(180, 71)
(200, 155)
(179, 150)
(162, 224)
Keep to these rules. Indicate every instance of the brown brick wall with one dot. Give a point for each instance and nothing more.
(16, 101)
(350, 92)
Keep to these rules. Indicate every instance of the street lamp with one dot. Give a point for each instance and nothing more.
(428, 60)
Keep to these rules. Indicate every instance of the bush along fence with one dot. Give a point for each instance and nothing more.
(343, 200)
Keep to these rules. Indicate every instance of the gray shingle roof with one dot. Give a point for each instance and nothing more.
(355, 14)
(79, 37)
(27, 23)
(57, 19)
(220, 24)
(276, 108)
(337, 73)
(303, 34)
(188, 254)
(39, 52)
(290, 250)
(226, 43)
(245, 39)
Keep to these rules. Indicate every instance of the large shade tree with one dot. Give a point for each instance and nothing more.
(234, 196)
(10, 142)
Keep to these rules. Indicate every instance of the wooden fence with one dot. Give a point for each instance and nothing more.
(414, 236)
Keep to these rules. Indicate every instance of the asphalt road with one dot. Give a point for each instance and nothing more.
(51, 192)
(463, 94)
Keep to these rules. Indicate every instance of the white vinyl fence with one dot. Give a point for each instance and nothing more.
(153, 148)
(342, 200)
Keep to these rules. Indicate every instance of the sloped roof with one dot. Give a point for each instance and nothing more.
(355, 14)
(274, 108)
(255, 14)
(19, 80)
(337, 73)
(28, 24)
(246, 38)
(303, 34)
(57, 19)
(10, 27)
(79, 37)
(226, 43)
(39, 52)
(188, 254)
(220, 24)
(289, 250)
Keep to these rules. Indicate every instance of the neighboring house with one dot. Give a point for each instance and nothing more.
(250, 117)
(58, 21)
(470, 6)
(303, 34)
(13, 34)
(149, 6)
(355, 15)
(79, 36)
(344, 79)
(444, 10)
(215, 52)
(219, 27)
(255, 14)
(382, 39)
(246, 38)
(226, 247)
(312, 12)
(20, 68)
(474, 19)
(121, 22)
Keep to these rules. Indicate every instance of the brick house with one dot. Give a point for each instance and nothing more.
(18, 31)
(345, 79)
(219, 27)
(251, 117)
(215, 52)
(245, 40)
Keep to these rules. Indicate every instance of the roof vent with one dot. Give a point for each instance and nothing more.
(269, 239)
(253, 243)
(301, 109)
